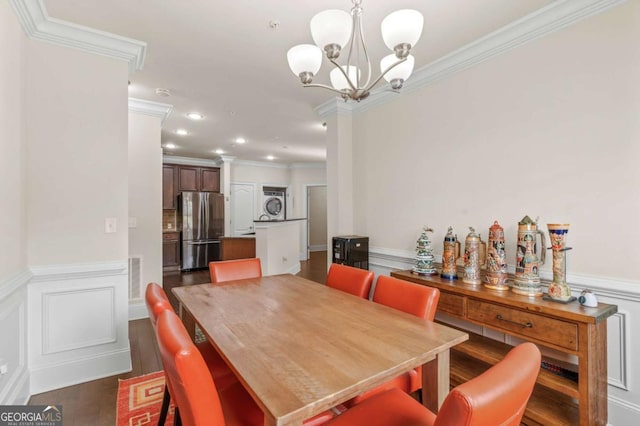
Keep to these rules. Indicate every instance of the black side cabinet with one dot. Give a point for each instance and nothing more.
(351, 250)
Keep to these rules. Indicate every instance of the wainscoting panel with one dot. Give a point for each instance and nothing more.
(78, 324)
(624, 383)
(14, 385)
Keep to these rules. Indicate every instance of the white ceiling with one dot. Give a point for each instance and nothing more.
(222, 59)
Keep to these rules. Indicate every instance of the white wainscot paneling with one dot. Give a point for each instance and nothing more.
(78, 324)
(624, 382)
(14, 385)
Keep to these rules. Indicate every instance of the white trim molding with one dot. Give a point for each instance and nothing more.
(78, 270)
(137, 310)
(38, 25)
(540, 23)
(13, 283)
(154, 109)
(188, 161)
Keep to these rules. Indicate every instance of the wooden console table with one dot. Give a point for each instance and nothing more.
(568, 328)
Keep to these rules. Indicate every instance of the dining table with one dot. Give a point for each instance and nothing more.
(300, 347)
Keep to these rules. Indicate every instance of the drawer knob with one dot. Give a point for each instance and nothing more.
(527, 325)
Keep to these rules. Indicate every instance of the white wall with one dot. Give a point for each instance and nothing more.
(14, 386)
(145, 199)
(77, 155)
(549, 129)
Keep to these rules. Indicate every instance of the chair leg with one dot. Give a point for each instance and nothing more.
(177, 421)
(166, 398)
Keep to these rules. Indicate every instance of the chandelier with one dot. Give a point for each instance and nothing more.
(331, 30)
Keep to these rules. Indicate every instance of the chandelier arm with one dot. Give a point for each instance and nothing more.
(384, 73)
(366, 55)
(324, 86)
(344, 73)
(354, 21)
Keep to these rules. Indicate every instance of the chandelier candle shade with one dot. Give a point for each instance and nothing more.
(334, 30)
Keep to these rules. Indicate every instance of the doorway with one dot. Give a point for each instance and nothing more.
(316, 198)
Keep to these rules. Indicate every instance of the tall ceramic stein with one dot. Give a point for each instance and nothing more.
(472, 258)
(496, 277)
(527, 281)
(558, 289)
(450, 253)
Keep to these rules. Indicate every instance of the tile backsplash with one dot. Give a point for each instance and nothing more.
(168, 220)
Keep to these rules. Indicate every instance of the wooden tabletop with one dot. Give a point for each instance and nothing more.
(301, 347)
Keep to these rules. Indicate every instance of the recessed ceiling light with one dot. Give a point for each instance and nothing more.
(241, 140)
(170, 145)
(195, 116)
(181, 132)
(163, 92)
(219, 151)
(270, 157)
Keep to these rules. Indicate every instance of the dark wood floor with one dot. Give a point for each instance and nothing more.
(94, 403)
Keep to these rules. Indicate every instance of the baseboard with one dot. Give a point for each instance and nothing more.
(622, 412)
(56, 376)
(17, 392)
(321, 247)
(137, 310)
(294, 269)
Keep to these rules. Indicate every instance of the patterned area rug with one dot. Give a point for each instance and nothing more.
(139, 400)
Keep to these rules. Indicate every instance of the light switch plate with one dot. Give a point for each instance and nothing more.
(110, 225)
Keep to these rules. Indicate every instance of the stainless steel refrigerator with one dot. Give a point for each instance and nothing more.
(201, 216)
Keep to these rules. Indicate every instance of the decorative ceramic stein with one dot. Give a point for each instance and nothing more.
(496, 277)
(527, 281)
(472, 258)
(424, 254)
(449, 255)
(558, 289)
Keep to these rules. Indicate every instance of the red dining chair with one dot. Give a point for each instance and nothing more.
(198, 401)
(349, 279)
(498, 396)
(414, 299)
(158, 302)
(229, 270)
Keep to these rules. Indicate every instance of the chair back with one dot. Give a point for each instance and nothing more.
(157, 302)
(192, 389)
(498, 396)
(229, 270)
(415, 299)
(349, 279)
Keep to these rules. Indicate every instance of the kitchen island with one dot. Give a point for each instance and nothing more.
(278, 245)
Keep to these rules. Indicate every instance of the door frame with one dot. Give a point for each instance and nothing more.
(305, 212)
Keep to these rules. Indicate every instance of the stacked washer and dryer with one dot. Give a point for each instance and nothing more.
(274, 202)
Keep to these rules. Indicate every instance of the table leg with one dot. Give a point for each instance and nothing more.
(188, 321)
(435, 381)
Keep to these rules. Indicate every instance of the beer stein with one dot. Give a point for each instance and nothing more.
(558, 289)
(527, 280)
(472, 258)
(449, 255)
(496, 277)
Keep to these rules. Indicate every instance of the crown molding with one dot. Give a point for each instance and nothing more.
(188, 161)
(154, 109)
(38, 25)
(226, 158)
(261, 164)
(544, 21)
(322, 165)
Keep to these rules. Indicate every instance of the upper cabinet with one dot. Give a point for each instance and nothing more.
(176, 179)
(198, 179)
(169, 180)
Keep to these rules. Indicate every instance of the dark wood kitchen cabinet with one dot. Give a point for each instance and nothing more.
(198, 179)
(169, 186)
(170, 251)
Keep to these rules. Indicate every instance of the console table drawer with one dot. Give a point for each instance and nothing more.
(556, 332)
(452, 304)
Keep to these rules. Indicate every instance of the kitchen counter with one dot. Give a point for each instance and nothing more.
(279, 220)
